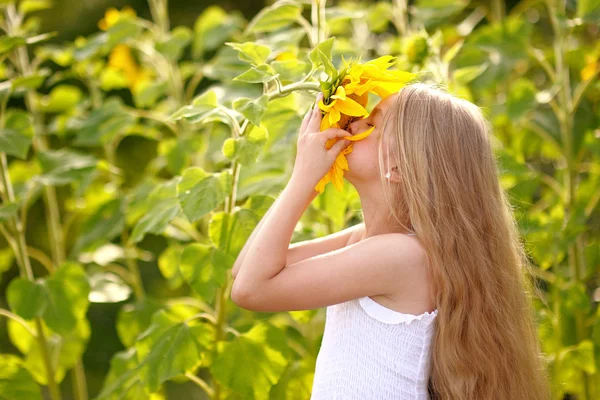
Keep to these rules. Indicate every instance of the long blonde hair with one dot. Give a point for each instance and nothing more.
(485, 344)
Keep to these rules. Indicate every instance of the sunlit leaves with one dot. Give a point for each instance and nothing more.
(64, 166)
(212, 28)
(16, 135)
(252, 109)
(251, 52)
(61, 299)
(162, 206)
(15, 381)
(200, 192)
(176, 42)
(103, 225)
(251, 350)
(204, 268)
(279, 15)
(170, 347)
(262, 73)
(134, 318)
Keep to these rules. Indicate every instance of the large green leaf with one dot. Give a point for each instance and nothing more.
(162, 207)
(135, 318)
(65, 166)
(168, 264)
(204, 268)
(173, 345)
(200, 192)
(248, 364)
(176, 42)
(61, 299)
(213, 27)
(102, 226)
(261, 74)
(252, 109)
(277, 16)
(15, 381)
(230, 232)
(102, 124)
(65, 350)
(14, 143)
(123, 381)
(251, 52)
(67, 291)
(26, 298)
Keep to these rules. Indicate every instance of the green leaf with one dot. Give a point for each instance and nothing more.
(7, 211)
(521, 98)
(30, 6)
(67, 291)
(199, 192)
(26, 298)
(171, 346)
(65, 166)
(252, 109)
(65, 350)
(7, 43)
(163, 206)
(173, 47)
(204, 268)
(135, 318)
(275, 17)
(101, 226)
(14, 143)
(168, 264)
(15, 381)
(251, 52)
(324, 48)
(102, 124)
(230, 232)
(203, 106)
(467, 74)
(291, 70)
(61, 98)
(213, 27)
(123, 381)
(248, 364)
(32, 81)
(260, 74)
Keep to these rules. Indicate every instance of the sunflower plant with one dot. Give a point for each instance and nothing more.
(345, 96)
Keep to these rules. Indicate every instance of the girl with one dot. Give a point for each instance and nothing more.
(428, 297)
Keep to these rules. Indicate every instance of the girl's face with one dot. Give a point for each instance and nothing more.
(363, 162)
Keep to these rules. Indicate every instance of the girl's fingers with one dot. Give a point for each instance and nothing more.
(315, 120)
(331, 133)
(305, 121)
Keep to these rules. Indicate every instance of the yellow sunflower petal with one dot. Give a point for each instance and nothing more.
(334, 116)
(360, 136)
(326, 107)
(351, 107)
(340, 93)
(324, 123)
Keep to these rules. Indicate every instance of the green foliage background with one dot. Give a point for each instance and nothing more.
(136, 161)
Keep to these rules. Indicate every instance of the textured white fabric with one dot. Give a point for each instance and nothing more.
(371, 352)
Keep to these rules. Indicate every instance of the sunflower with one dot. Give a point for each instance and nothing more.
(351, 88)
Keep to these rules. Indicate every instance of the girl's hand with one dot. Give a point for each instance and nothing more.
(313, 159)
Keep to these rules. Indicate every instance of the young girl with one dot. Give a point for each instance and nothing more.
(428, 297)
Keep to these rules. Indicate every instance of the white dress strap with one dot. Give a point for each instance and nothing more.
(389, 316)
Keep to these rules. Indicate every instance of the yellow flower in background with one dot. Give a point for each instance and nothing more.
(112, 15)
(121, 57)
(348, 101)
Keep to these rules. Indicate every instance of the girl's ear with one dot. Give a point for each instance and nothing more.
(393, 175)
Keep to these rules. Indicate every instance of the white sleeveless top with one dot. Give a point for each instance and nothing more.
(371, 352)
